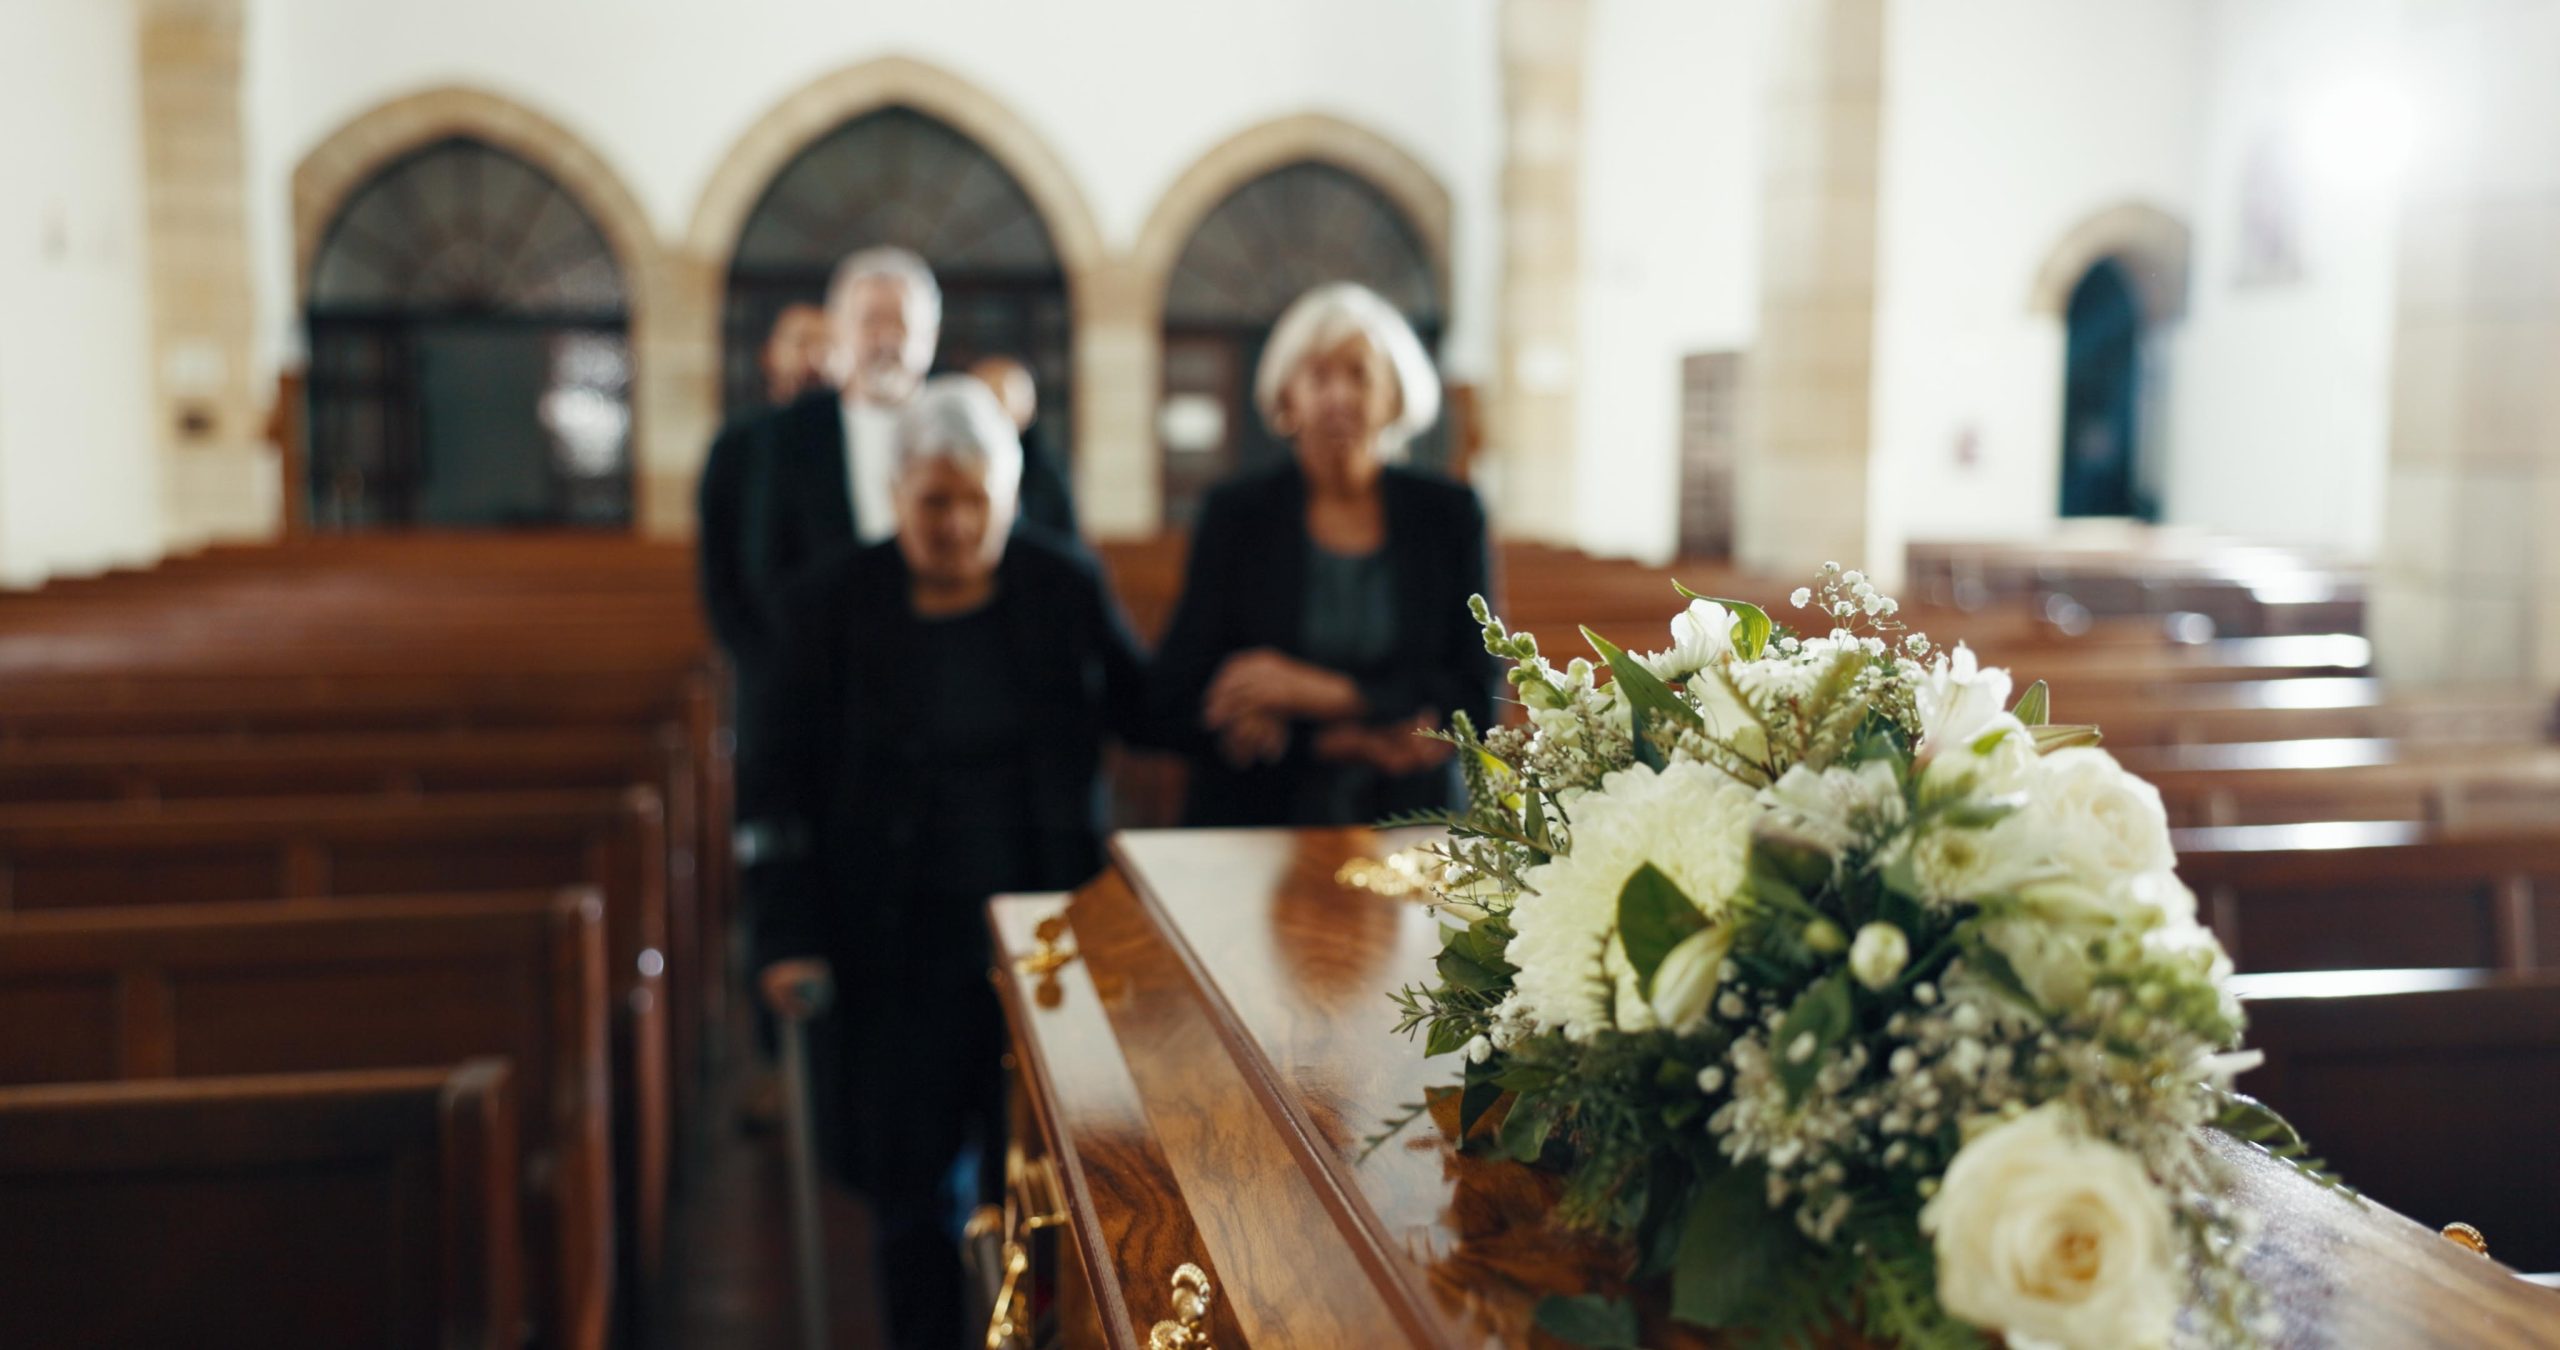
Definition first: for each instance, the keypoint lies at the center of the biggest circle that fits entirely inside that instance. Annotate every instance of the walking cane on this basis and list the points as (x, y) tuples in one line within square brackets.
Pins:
[(808, 1241)]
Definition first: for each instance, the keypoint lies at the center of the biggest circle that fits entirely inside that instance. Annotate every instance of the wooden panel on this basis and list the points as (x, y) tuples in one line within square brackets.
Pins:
[(2349, 895), (78, 1014), (1300, 968), (328, 1210), (337, 985), (1127, 1212), (2435, 1091)]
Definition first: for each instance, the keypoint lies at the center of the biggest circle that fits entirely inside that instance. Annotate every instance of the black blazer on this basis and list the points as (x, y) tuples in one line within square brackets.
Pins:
[(1048, 499), (1246, 587), (843, 743)]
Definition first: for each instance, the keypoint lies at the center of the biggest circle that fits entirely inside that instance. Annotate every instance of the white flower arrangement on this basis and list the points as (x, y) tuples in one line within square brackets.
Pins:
[(1847, 988)]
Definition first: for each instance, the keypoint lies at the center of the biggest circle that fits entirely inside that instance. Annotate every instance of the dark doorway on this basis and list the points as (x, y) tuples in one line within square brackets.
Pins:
[(470, 358), (2102, 399)]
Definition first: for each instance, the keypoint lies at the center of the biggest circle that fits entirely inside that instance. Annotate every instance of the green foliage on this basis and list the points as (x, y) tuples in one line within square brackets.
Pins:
[(1591, 1321), (2245, 1117), (1656, 707), (1654, 914), (2034, 707), (1735, 1253), (1821, 1012)]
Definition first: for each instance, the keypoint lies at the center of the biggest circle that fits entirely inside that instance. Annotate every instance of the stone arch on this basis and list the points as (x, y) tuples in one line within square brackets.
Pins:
[(1121, 480), (334, 170), (700, 266), (1404, 180), (352, 155), (2151, 245), (830, 101)]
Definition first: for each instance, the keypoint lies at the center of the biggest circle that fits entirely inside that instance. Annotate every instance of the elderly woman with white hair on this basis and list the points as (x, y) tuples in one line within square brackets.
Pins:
[(1323, 620), (947, 697)]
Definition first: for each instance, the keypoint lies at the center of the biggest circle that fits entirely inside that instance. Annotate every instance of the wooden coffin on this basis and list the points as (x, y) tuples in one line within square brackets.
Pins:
[(1203, 1047)]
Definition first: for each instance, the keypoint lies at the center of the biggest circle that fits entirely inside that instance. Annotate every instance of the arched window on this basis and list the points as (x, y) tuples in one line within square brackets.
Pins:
[(897, 176), (470, 357), (1269, 242), (2102, 398)]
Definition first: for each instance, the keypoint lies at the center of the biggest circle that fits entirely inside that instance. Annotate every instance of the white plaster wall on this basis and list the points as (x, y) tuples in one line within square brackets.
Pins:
[(2006, 123), (79, 475), (2282, 394), (1670, 242), (1128, 93)]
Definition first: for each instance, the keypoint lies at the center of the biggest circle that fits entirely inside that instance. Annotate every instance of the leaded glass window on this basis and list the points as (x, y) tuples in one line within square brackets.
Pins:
[(470, 356)]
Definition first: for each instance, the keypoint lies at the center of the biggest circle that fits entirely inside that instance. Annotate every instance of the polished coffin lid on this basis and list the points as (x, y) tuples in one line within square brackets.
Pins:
[(1208, 1067)]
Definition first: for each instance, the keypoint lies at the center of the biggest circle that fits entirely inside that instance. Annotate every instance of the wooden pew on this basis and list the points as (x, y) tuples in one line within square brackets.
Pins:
[(211, 852), (149, 772), (2469, 788), (2346, 895), (374, 1208), (2435, 1090), (227, 990)]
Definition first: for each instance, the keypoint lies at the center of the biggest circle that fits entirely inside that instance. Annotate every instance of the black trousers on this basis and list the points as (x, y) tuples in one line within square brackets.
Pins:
[(911, 1074)]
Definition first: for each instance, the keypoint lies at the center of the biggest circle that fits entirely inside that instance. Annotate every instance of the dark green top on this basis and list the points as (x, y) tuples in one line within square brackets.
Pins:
[(1350, 626)]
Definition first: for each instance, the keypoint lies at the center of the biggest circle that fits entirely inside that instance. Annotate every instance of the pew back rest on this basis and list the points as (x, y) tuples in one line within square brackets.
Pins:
[(2434, 1089), (309, 986), (374, 1207), (2349, 895)]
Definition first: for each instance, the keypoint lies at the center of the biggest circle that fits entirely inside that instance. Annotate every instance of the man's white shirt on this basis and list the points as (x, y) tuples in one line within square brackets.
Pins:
[(870, 468)]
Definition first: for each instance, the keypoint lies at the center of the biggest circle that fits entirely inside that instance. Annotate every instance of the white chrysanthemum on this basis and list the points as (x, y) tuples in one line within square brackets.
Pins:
[(1691, 821)]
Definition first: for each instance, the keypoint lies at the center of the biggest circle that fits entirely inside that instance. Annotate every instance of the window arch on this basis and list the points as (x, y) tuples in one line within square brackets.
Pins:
[(898, 176), (1267, 243), (470, 356)]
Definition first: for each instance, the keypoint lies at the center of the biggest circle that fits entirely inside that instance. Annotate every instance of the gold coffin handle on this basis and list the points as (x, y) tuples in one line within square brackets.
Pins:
[(2466, 1237), (1188, 1329)]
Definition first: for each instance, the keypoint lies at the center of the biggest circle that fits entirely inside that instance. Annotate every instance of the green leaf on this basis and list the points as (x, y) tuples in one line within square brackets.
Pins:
[(1591, 1321), (1463, 973), (1751, 626), (1821, 1011), (1983, 812), (1659, 1227), (2052, 738), (1447, 1038), (1533, 824), (1731, 1247), (1478, 1098), (1525, 1130), (1654, 914), (1989, 962), (1649, 700), (2035, 707)]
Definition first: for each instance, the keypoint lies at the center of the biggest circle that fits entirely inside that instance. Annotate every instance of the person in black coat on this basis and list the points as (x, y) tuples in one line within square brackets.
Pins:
[(945, 698), (1324, 620), (1048, 496)]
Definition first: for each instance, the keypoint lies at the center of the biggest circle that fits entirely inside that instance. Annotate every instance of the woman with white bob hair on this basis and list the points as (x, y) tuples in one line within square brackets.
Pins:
[(948, 693), (1323, 620)]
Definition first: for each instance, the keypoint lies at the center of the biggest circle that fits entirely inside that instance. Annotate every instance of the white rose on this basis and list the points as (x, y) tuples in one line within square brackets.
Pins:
[(1879, 954), (1686, 980), (2044, 1233), (2104, 825), (1960, 702), (1701, 635)]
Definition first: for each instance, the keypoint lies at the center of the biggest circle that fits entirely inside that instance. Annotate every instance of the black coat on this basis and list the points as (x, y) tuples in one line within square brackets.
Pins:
[(1048, 499), (843, 741), (775, 507), (1246, 587)]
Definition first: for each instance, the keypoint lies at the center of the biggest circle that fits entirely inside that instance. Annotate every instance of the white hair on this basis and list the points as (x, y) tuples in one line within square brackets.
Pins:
[(1331, 314), (913, 275), (956, 418)]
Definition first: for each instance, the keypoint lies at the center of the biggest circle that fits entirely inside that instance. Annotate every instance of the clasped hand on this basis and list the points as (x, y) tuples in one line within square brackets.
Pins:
[(1257, 694)]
